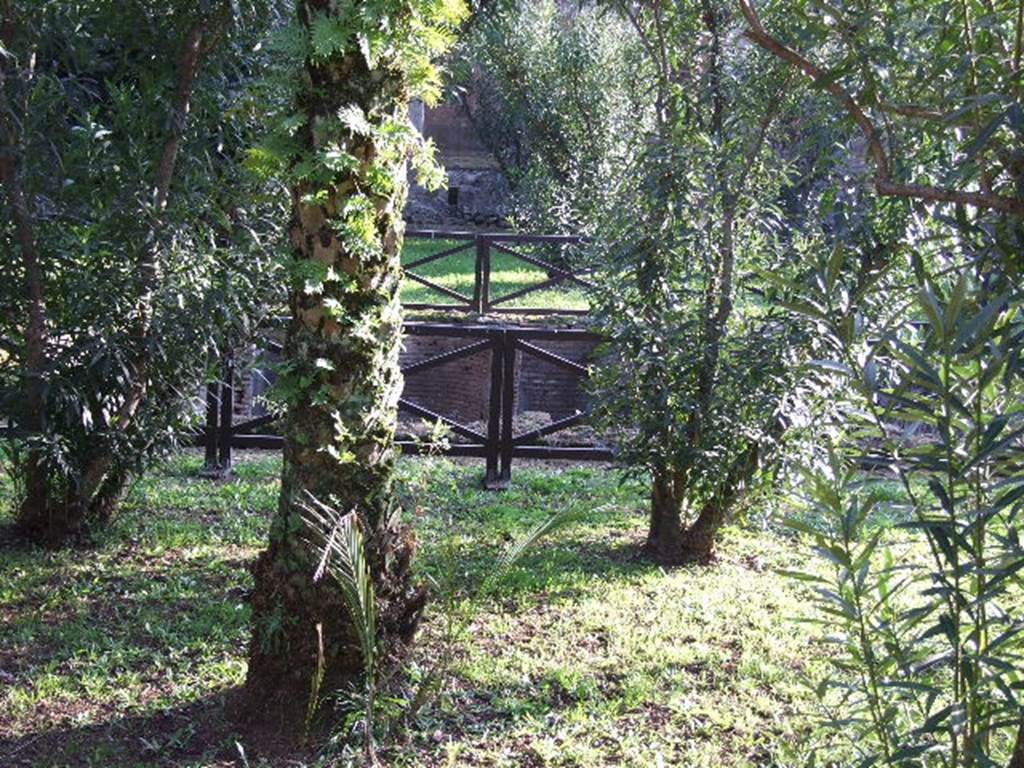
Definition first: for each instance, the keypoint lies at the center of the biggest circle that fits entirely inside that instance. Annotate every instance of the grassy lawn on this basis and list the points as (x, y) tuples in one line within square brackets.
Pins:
[(508, 274), (129, 653)]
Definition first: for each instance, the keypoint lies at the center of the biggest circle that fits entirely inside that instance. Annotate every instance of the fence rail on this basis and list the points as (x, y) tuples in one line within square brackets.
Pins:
[(484, 300), (498, 444)]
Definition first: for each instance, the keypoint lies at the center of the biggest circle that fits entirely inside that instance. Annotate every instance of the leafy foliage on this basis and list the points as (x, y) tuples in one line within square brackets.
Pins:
[(922, 338), (700, 359), (155, 251), (929, 674), (934, 88), (560, 94)]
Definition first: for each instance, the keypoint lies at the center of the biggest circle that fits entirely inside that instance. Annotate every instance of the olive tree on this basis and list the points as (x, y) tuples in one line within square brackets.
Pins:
[(923, 340), (560, 93), (700, 359)]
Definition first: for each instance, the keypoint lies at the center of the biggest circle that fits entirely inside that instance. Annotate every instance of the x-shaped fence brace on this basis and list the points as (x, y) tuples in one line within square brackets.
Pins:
[(498, 446), (482, 302)]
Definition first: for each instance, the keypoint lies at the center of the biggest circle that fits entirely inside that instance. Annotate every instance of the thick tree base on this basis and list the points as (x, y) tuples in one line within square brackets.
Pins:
[(282, 674), (671, 543), (679, 552), (304, 642), (54, 519)]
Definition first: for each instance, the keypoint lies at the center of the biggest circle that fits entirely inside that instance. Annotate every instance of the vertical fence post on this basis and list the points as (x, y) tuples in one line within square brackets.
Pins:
[(227, 410), (478, 276), (210, 465), (492, 479), (483, 250), (508, 404)]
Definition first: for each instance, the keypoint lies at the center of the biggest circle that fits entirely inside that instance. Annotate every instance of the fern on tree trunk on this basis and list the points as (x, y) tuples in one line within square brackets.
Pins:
[(342, 381)]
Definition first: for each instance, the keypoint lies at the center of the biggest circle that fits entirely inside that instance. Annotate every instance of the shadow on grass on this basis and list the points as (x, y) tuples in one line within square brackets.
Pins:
[(206, 731), (91, 634), (119, 599)]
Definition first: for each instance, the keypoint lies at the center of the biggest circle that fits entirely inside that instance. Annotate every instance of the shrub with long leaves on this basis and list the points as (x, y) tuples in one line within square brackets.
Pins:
[(930, 669), (344, 560), (135, 250)]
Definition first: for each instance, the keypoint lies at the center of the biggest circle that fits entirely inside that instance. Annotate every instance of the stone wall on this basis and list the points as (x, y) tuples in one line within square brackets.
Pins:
[(477, 191), (474, 197)]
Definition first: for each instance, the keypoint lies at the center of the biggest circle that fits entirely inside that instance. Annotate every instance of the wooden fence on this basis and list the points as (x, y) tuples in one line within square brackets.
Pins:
[(497, 442), (484, 300)]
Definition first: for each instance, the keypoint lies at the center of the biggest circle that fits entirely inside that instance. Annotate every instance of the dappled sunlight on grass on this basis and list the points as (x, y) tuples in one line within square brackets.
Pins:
[(152, 615), (592, 656), (584, 655), (693, 651)]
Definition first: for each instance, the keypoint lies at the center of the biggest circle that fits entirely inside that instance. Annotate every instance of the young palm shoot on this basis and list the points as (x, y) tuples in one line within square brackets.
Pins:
[(343, 558)]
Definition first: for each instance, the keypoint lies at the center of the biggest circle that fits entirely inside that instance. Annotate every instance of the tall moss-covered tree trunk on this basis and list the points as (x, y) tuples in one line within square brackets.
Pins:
[(343, 380)]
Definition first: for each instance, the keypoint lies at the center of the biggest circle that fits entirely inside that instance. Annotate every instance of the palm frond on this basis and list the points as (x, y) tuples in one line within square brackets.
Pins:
[(343, 557), (515, 552)]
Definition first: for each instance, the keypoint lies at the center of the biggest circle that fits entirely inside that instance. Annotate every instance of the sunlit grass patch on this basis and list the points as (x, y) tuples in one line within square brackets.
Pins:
[(591, 656), (585, 655)]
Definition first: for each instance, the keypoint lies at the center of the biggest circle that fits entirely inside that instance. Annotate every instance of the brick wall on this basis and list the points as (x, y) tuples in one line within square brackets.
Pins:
[(545, 387), (460, 389)]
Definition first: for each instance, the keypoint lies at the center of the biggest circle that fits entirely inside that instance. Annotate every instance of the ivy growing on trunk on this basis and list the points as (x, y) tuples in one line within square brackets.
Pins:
[(343, 147)]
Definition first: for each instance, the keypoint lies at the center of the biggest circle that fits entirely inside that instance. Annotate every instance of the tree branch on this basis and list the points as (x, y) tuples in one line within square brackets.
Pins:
[(876, 148), (662, 81), (148, 265), (188, 65), (11, 179), (1018, 43), (912, 110), (754, 151), (33, 417)]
